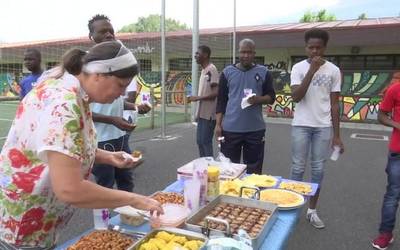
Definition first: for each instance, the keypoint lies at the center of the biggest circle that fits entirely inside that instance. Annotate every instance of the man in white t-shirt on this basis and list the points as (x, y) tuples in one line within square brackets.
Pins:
[(315, 85)]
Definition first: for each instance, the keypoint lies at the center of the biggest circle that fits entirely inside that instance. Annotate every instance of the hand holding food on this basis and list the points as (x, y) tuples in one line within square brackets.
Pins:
[(148, 204)]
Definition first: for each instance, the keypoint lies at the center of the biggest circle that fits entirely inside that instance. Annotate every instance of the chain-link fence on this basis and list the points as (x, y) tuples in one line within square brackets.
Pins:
[(278, 46), (147, 49)]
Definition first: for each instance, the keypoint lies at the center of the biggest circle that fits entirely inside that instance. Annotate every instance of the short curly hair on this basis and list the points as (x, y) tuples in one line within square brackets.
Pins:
[(95, 18), (317, 33)]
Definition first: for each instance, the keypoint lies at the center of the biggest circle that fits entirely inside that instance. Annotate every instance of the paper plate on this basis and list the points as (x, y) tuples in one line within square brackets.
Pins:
[(284, 199)]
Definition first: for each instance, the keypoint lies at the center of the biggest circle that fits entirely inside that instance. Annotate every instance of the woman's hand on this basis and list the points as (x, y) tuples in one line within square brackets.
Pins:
[(148, 204)]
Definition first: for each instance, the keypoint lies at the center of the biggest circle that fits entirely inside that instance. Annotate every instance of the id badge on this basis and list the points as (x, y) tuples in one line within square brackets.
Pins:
[(247, 92)]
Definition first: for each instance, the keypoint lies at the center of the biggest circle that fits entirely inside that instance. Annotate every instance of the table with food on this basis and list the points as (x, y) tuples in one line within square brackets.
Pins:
[(211, 204)]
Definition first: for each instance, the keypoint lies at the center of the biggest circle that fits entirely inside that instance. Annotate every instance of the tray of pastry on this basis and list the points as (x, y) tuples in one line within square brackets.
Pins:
[(171, 238), (225, 215)]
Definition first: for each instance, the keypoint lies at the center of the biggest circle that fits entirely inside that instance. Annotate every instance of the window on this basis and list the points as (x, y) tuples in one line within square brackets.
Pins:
[(296, 59), (333, 59), (379, 62), (352, 62), (145, 65), (397, 62), (221, 62), (180, 64)]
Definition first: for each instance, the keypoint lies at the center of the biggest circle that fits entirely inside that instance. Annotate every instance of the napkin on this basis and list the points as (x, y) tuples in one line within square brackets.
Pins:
[(245, 103)]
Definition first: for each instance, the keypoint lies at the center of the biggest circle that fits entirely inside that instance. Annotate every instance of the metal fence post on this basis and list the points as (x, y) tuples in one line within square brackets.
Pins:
[(153, 105), (185, 103)]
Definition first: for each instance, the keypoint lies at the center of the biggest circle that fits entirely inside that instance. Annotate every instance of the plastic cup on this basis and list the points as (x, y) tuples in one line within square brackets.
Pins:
[(101, 218), (191, 193), (200, 173), (335, 153)]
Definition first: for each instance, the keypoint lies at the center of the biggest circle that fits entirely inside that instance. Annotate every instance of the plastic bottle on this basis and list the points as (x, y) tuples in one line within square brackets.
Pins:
[(200, 175), (212, 183)]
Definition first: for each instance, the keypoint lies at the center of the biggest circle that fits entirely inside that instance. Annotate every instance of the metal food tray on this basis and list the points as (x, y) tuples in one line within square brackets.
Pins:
[(135, 238), (176, 231), (191, 222)]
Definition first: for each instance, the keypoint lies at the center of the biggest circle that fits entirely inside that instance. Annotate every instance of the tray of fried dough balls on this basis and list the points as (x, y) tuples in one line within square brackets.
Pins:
[(226, 215), (102, 240)]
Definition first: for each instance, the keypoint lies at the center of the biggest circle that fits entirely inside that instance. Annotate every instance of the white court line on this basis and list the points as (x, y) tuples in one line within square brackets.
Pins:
[(139, 118), (8, 104), (143, 117), (3, 138), (371, 137)]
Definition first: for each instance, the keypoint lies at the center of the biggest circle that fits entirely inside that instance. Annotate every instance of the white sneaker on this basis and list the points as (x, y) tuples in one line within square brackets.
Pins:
[(315, 220)]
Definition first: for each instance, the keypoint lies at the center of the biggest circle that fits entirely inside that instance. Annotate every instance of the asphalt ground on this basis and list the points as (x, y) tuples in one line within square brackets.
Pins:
[(351, 195)]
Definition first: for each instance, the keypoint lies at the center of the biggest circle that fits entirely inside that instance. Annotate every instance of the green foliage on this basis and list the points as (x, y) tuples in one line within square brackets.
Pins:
[(320, 16), (362, 16), (152, 23)]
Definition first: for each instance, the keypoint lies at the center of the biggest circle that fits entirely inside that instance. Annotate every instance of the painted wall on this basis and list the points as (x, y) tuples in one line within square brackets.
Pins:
[(361, 94), (8, 86)]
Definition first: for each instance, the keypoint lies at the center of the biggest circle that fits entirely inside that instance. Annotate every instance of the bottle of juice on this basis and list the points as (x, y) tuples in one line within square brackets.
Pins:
[(213, 182)]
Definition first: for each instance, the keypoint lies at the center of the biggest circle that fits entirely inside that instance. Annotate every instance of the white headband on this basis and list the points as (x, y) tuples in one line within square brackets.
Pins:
[(110, 65)]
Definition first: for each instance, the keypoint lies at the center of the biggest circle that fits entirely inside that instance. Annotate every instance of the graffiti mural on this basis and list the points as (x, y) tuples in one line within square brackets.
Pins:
[(282, 107), (176, 81), (359, 108), (361, 94), (8, 86)]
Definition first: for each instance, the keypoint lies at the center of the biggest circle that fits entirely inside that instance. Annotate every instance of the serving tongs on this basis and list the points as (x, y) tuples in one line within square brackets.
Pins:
[(131, 233), (256, 194)]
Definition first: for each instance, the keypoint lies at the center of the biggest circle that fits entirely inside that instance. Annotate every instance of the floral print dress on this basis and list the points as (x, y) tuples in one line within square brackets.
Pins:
[(54, 116)]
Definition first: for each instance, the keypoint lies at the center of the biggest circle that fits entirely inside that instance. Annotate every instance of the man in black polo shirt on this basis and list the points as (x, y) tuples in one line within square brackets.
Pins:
[(244, 127)]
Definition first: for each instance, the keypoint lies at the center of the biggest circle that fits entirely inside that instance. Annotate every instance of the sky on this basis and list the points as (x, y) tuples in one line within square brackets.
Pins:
[(29, 20)]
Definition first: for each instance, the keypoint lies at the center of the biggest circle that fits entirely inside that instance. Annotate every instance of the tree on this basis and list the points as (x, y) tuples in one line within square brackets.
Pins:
[(320, 16), (152, 23), (362, 16)]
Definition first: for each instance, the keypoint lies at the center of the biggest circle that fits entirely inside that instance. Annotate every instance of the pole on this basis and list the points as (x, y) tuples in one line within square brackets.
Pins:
[(153, 104), (163, 95), (195, 45), (234, 34)]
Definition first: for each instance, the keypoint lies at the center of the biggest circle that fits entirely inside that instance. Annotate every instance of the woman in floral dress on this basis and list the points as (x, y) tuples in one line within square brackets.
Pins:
[(51, 147)]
